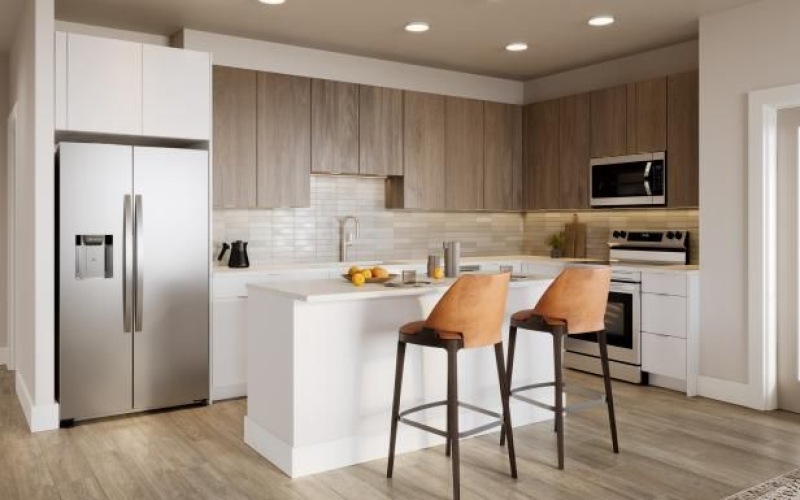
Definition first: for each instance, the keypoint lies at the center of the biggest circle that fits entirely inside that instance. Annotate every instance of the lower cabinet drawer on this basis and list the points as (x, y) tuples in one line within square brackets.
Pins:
[(664, 355)]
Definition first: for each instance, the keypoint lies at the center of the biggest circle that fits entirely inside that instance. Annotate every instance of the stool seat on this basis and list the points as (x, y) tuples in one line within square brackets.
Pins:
[(529, 319), (417, 327)]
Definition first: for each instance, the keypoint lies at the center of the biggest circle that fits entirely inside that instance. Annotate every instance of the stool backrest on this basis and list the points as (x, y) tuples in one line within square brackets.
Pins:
[(473, 307), (578, 296)]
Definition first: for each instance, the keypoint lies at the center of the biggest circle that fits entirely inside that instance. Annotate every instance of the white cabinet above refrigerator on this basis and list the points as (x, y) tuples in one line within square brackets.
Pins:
[(115, 87)]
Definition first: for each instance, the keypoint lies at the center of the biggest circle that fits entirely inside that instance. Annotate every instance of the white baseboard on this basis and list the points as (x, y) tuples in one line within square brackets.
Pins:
[(737, 393), (41, 417), (229, 392), (3, 355), (299, 461)]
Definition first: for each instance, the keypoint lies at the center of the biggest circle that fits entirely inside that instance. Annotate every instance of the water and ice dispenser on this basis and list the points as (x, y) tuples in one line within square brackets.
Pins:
[(94, 256)]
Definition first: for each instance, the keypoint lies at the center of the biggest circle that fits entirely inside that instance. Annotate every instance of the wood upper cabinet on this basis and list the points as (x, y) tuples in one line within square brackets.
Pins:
[(502, 153), (422, 184), (463, 154), (609, 122), (380, 131), (334, 127), (647, 116), (234, 137), (682, 140), (284, 141), (574, 151), (542, 145)]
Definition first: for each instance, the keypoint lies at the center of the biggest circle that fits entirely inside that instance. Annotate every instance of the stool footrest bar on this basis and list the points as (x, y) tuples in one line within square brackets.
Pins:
[(567, 409)]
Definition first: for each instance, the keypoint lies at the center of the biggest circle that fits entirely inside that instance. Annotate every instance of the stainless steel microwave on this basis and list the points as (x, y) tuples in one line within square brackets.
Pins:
[(635, 180)]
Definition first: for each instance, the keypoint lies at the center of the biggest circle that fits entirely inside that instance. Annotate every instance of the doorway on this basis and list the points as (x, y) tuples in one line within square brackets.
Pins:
[(788, 259)]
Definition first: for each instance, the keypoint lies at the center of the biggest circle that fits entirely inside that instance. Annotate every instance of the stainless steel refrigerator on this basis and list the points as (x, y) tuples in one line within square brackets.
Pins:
[(133, 278)]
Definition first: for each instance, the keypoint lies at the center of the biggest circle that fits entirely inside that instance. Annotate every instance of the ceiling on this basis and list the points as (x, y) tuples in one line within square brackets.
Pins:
[(466, 35), (9, 18)]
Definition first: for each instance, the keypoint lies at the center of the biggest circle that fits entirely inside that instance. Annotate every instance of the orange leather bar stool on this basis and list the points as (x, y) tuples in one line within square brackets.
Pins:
[(469, 315), (575, 303)]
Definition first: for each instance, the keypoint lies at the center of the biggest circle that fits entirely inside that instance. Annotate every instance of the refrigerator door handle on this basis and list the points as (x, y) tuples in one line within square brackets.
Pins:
[(127, 265), (139, 237)]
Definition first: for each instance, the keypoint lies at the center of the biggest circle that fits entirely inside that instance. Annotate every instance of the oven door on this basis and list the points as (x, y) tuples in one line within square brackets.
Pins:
[(623, 327), (631, 180)]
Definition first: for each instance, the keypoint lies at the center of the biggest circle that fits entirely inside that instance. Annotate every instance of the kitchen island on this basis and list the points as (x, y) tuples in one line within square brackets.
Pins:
[(320, 370)]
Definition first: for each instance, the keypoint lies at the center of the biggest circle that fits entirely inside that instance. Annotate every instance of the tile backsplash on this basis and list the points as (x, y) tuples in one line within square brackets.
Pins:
[(303, 235)]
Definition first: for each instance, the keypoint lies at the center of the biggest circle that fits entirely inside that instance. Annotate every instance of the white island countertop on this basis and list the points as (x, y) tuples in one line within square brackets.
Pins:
[(331, 290)]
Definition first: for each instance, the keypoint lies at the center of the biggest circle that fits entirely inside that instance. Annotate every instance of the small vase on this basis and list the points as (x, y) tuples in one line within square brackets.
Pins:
[(555, 253)]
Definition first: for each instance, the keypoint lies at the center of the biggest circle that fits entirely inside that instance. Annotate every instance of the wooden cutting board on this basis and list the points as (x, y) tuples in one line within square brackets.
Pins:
[(575, 239)]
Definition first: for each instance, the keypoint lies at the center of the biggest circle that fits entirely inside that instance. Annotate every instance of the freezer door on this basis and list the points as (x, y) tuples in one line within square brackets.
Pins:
[(95, 371), (172, 277)]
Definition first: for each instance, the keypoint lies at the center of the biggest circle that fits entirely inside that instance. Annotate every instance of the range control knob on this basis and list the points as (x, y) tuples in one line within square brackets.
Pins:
[(623, 234), (678, 235), (615, 234), (670, 235)]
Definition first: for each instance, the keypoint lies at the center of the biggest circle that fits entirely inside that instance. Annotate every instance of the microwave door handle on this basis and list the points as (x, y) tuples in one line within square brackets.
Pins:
[(647, 178)]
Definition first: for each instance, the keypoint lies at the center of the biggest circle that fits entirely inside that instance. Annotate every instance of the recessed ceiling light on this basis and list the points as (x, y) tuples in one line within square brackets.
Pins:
[(272, 2), (603, 20), (517, 47), (418, 27)]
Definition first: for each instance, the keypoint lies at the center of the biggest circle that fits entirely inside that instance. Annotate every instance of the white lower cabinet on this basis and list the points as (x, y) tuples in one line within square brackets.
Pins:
[(229, 347), (664, 355), (550, 270), (664, 314)]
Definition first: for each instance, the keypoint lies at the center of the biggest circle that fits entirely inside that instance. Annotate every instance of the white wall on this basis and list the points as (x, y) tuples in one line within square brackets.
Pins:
[(32, 89), (289, 59), (673, 59), (748, 48), (4, 110)]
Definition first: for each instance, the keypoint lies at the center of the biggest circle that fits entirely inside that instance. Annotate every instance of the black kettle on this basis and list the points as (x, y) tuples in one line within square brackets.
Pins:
[(238, 256)]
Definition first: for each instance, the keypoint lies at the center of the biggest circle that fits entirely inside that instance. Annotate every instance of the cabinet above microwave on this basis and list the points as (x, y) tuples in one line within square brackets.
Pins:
[(634, 180)]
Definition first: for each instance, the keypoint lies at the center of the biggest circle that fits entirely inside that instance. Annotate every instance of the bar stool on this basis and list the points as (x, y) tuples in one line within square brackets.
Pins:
[(469, 315), (575, 303)]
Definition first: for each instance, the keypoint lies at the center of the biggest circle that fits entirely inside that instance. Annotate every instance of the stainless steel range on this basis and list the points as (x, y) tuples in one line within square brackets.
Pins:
[(627, 249)]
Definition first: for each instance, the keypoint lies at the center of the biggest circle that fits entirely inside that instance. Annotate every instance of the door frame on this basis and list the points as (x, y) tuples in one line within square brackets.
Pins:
[(762, 381), (12, 176)]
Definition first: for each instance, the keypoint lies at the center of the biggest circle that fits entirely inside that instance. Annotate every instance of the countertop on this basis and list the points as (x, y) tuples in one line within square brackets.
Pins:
[(331, 290), (275, 268)]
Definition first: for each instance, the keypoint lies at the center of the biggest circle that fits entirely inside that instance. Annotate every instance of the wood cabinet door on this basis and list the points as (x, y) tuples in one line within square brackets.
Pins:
[(574, 151), (234, 158), (502, 153), (541, 177), (284, 141), (609, 118), (682, 140), (647, 123), (463, 154), (334, 127), (423, 144), (380, 131)]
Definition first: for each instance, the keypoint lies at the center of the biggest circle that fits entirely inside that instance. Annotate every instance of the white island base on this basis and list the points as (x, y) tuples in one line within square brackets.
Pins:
[(321, 363)]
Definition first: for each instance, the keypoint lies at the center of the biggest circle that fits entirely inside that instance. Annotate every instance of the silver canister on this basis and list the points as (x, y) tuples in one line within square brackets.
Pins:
[(434, 262), (452, 258)]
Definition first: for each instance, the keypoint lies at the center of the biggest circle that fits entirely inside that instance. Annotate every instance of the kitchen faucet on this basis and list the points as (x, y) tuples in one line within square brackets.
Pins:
[(346, 238)]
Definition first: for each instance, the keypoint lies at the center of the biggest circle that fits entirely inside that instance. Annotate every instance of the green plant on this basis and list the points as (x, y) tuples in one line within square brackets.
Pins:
[(556, 241)]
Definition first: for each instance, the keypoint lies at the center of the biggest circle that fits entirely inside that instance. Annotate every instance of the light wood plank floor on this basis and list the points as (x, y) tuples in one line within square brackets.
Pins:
[(671, 448)]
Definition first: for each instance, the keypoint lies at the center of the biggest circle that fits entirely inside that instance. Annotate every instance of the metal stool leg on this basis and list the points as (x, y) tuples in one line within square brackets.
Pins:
[(612, 421), (452, 416), (398, 384), (558, 337), (512, 347), (501, 376)]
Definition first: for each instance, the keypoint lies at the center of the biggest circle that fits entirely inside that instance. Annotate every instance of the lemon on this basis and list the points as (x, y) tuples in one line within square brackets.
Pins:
[(367, 273), (438, 273), (354, 270), (358, 279)]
